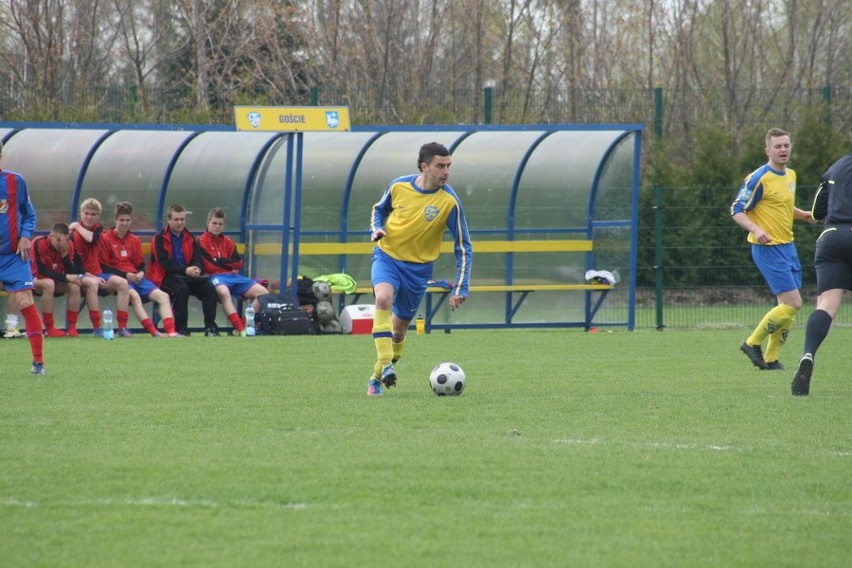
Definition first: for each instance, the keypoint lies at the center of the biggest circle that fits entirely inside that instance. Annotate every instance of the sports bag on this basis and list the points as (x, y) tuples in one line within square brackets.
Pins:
[(280, 314)]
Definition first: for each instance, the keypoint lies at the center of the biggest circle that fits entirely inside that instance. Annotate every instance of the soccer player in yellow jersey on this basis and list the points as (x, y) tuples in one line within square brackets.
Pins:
[(765, 207), (408, 225)]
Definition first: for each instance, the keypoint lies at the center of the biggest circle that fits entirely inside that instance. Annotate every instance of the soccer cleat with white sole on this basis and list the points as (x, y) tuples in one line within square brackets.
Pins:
[(388, 376), (801, 385)]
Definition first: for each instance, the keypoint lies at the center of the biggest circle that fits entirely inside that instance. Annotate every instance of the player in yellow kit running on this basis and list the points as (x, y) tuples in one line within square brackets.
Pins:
[(408, 225), (765, 207)]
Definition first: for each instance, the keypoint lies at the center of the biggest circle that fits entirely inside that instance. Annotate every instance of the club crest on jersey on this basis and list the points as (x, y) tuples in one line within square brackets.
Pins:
[(4, 206), (431, 212)]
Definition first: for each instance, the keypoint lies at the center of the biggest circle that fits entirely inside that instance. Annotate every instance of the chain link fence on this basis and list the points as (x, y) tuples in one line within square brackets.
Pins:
[(708, 278), (672, 113)]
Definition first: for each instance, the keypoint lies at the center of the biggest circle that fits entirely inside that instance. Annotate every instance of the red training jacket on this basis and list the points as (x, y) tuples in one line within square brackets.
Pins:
[(219, 254), (49, 263), (162, 262), (120, 255), (88, 251)]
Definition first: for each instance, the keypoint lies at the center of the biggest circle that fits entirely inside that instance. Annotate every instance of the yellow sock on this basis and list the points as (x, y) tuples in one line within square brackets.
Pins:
[(383, 338), (397, 350), (778, 338), (774, 320)]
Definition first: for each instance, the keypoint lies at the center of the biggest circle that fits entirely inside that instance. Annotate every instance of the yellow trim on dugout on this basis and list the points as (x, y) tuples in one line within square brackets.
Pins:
[(328, 249), (324, 249)]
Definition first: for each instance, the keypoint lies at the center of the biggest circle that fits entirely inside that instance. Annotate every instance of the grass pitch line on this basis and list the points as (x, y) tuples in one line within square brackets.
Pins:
[(159, 502), (12, 502), (654, 445)]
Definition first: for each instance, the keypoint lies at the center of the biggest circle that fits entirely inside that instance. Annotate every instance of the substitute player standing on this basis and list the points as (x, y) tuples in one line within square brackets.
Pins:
[(765, 207), (17, 223), (832, 260), (408, 225)]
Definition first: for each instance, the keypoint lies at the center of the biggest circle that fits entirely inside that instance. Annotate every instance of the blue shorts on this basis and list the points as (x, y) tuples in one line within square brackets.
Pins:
[(15, 274), (106, 276), (779, 265), (144, 288), (237, 284), (409, 280)]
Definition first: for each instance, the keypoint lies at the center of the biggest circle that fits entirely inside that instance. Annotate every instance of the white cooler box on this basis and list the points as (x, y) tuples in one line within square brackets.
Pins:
[(358, 318)]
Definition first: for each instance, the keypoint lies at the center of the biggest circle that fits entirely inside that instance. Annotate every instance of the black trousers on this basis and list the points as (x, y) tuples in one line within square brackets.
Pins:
[(180, 289)]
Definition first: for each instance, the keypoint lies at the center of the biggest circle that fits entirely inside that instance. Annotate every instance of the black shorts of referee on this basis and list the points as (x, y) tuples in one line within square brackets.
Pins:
[(833, 258)]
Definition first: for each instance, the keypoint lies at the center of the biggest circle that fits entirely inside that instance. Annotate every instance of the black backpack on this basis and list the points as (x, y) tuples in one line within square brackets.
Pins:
[(280, 314), (305, 289)]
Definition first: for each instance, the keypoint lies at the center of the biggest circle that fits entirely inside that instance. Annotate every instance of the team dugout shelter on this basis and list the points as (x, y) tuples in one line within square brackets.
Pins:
[(545, 204)]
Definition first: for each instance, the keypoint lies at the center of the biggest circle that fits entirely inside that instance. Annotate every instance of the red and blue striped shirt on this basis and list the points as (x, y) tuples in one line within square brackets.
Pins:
[(17, 214)]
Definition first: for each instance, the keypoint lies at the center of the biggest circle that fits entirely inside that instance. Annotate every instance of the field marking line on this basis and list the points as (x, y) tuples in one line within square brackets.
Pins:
[(654, 445), (156, 502)]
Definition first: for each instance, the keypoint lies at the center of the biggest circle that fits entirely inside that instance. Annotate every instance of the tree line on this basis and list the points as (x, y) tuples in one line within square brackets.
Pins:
[(707, 77)]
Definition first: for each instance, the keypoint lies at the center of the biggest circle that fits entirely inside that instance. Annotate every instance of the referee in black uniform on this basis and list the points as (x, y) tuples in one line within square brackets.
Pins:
[(832, 260)]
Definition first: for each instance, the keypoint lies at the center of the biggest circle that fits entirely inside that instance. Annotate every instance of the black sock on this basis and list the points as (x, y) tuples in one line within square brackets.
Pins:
[(819, 322)]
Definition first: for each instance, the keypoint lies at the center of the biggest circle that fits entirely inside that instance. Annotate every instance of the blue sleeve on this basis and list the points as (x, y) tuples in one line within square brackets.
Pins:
[(749, 194), (380, 211), (457, 224), (26, 211)]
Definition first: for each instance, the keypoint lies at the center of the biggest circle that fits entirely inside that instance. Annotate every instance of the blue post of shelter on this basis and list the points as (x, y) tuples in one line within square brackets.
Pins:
[(287, 213), (297, 223), (294, 121)]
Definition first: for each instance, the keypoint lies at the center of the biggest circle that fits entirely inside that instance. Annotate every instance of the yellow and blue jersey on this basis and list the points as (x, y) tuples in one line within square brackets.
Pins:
[(414, 221), (768, 198)]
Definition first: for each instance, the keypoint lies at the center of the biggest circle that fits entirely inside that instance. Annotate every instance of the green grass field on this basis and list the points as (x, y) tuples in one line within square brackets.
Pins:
[(566, 449)]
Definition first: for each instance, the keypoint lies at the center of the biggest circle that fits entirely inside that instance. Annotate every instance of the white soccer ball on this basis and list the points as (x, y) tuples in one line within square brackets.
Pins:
[(447, 379), (321, 290)]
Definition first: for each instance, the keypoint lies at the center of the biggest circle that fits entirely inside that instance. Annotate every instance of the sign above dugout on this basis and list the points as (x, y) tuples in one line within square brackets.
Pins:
[(292, 119)]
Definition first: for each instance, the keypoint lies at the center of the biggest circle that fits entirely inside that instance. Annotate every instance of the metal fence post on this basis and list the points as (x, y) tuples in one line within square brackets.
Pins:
[(658, 111), (658, 252), (487, 104)]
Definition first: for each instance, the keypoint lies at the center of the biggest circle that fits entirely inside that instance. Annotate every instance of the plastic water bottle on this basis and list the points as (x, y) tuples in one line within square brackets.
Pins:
[(107, 322), (250, 331), (420, 325)]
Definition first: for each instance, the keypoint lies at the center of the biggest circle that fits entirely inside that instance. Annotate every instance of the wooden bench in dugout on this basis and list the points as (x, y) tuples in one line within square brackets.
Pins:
[(517, 293)]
